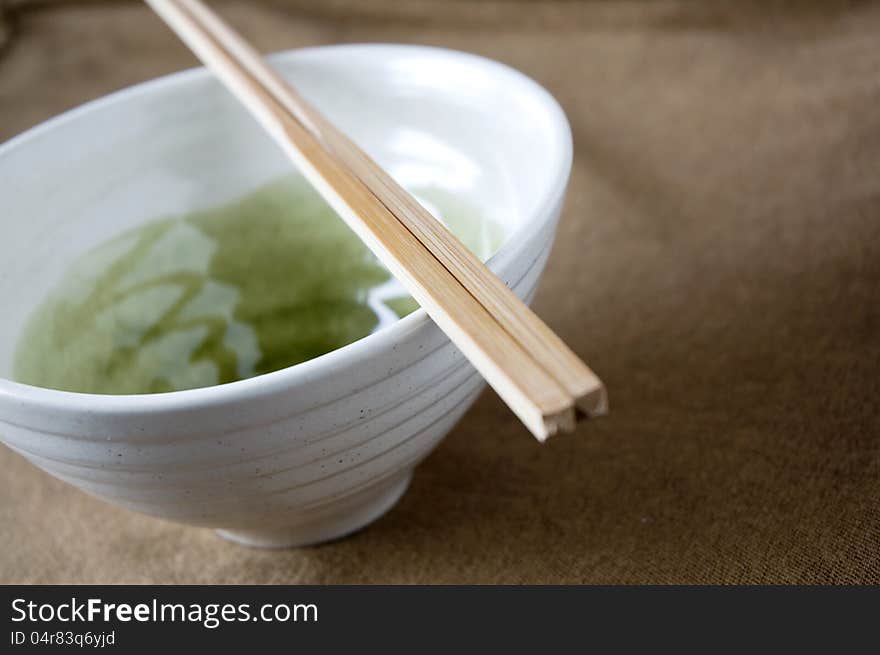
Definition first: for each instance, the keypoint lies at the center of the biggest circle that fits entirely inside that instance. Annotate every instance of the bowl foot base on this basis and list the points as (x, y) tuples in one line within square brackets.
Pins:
[(358, 512)]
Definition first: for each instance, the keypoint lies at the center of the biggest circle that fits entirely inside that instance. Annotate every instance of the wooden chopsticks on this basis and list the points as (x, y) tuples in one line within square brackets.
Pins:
[(545, 384)]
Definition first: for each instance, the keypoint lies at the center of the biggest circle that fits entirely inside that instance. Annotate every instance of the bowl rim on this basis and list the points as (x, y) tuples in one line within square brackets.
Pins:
[(26, 395)]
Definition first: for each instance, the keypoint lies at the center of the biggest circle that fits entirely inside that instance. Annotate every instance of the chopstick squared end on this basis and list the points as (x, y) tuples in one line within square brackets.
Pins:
[(559, 423), (593, 403)]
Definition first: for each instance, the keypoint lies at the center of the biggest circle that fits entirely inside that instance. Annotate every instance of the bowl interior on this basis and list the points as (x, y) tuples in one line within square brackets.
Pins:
[(458, 123)]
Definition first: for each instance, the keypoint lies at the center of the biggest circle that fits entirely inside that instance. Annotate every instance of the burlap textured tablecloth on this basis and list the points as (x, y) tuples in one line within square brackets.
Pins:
[(718, 264)]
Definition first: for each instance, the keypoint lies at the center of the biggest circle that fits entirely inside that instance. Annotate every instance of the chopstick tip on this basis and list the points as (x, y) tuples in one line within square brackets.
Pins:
[(594, 403)]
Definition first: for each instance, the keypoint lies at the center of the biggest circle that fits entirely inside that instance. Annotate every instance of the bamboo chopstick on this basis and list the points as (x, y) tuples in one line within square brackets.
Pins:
[(532, 370), (513, 315)]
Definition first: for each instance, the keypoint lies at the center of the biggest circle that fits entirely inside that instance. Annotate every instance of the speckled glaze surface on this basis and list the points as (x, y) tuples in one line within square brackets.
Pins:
[(318, 450)]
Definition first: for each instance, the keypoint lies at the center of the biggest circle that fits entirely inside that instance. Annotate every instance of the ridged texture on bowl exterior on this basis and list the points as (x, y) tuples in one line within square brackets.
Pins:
[(393, 411)]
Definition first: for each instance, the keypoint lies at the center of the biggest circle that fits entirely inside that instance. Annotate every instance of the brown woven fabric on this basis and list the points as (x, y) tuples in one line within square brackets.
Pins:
[(718, 264)]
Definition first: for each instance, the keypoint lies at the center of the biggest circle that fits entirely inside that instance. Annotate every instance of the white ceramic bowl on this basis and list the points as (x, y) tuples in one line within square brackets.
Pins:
[(311, 452)]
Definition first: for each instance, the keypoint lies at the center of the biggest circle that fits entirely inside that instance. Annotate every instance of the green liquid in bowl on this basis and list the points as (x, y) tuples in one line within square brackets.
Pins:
[(263, 283)]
